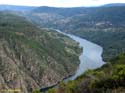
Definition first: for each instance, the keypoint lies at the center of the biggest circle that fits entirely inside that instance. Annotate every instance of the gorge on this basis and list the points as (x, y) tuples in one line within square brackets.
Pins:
[(90, 58), (87, 52)]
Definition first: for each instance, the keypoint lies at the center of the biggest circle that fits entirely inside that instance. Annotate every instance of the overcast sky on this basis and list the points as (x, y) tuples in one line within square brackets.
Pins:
[(60, 3)]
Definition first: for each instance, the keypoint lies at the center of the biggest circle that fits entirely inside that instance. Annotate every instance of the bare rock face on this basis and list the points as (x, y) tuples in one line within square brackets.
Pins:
[(32, 58), (11, 76)]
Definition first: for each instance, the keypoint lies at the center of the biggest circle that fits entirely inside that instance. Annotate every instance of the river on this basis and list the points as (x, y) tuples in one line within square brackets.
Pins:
[(90, 58)]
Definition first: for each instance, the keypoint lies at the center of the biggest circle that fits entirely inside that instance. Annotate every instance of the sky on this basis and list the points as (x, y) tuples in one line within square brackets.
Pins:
[(60, 3)]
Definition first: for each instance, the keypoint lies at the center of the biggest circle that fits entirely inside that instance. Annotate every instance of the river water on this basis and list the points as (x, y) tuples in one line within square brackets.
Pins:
[(91, 57)]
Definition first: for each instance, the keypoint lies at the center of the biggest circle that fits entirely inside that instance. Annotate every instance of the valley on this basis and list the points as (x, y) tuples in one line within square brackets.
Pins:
[(101, 25), (88, 48)]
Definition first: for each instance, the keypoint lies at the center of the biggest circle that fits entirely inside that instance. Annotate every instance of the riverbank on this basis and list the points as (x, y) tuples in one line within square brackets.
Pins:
[(90, 58)]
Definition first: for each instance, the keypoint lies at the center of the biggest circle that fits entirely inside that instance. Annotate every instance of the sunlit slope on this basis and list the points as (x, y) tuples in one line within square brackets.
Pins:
[(30, 57)]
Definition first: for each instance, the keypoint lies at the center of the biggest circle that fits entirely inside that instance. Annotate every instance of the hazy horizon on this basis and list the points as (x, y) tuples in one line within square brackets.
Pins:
[(60, 3)]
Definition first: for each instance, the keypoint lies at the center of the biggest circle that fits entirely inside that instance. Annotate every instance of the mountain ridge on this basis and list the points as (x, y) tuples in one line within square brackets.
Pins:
[(17, 8)]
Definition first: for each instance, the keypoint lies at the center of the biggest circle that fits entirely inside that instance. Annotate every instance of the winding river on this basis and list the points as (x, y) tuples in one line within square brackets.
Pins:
[(90, 58)]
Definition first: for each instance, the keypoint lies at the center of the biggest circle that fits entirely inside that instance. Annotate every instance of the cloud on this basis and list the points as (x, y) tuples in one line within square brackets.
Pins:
[(60, 3)]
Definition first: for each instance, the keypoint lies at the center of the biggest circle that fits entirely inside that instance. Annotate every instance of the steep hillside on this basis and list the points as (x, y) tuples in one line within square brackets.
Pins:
[(109, 78), (30, 57), (102, 25)]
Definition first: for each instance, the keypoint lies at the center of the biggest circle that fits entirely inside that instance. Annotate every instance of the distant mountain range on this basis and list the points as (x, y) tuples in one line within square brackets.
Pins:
[(45, 8), (16, 8), (114, 4)]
